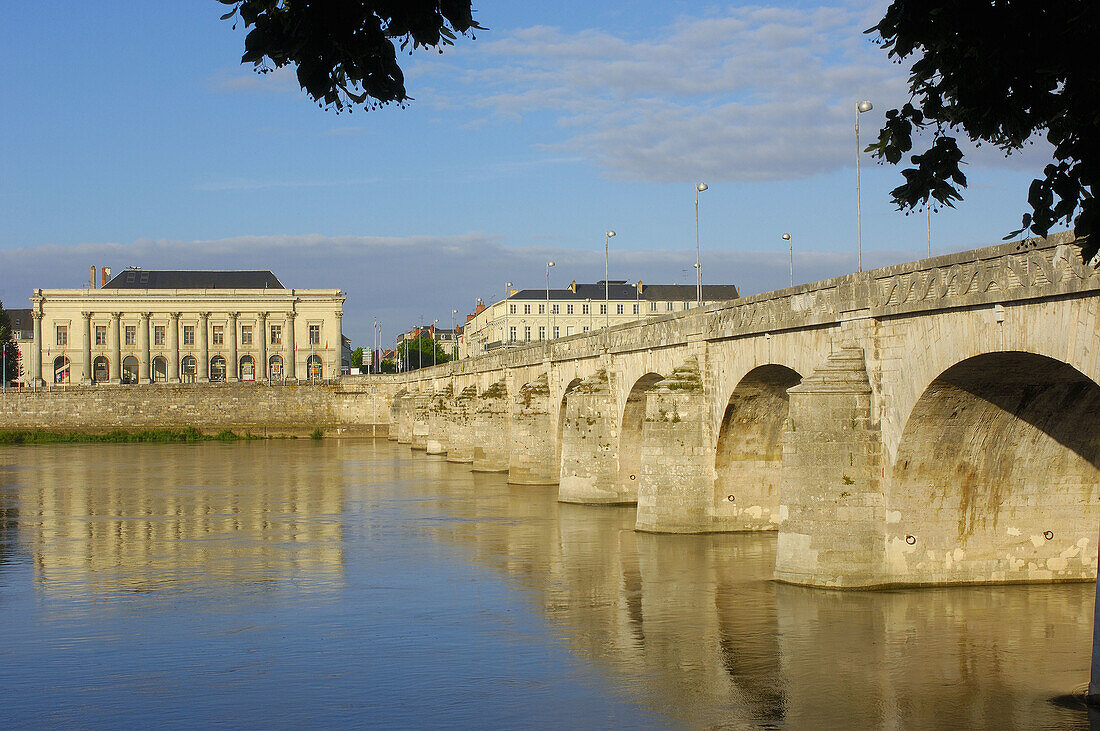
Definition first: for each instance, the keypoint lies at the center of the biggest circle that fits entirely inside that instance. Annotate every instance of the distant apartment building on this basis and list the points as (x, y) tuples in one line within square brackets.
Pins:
[(23, 334), (531, 315), (154, 326)]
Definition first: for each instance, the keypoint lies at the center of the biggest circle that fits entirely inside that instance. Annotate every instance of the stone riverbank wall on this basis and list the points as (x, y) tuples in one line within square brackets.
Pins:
[(349, 406)]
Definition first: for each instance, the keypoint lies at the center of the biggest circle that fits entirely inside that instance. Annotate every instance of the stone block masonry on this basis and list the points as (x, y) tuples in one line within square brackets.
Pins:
[(254, 407)]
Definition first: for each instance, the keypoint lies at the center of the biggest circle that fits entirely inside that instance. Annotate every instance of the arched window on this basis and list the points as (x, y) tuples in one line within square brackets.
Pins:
[(160, 369), (129, 369), (248, 368), (189, 368), (217, 368), (275, 367), (313, 368), (60, 369), (100, 369)]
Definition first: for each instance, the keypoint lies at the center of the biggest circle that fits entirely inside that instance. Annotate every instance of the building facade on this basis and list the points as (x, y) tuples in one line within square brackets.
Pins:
[(151, 326), (530, 315)]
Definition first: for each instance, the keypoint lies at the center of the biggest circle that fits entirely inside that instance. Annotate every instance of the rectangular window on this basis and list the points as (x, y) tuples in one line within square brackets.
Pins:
[(603, 309), (100, 334), (652, 306), (584, 329), (668, 306), (527, 309), (618, 309), (554, 309), (635, 308), (188, 334), (130, 332), (276, 334), (512, 333), (512, 307), (584, 309), (527, 333), (62, 334), (568, 330), (246, 335), (569, 309), (686, 306), (557, 331), (314, 334), (158, 334), (542, 309), (217, 337), (542, 332)]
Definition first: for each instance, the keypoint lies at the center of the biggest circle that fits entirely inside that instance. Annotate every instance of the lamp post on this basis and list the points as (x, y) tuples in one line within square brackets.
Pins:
[(698, 269), (606, 299), (928, 215), (435, 324), (588, 306), (454, 336), (787, 238), (861, 107), (507, 307), (548, 265)]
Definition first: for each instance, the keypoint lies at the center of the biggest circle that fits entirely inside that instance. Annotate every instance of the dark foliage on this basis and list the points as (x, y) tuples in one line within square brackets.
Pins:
[(10, 353), (1000, 72), (345, 51)]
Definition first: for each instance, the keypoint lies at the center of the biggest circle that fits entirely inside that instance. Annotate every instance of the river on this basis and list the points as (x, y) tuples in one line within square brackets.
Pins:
[(349, 582)]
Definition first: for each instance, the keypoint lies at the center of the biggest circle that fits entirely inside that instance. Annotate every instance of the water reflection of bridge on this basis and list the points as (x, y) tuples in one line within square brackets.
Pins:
[(694, 627), (103, 518)]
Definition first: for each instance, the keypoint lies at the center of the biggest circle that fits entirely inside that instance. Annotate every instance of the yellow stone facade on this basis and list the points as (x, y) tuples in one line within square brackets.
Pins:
[(84, 336)]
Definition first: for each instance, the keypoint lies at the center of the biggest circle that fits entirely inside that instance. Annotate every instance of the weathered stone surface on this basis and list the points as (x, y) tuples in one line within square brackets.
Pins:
[(460, 427), (420, 405), (532, 458), (589, 463), (492, 429)]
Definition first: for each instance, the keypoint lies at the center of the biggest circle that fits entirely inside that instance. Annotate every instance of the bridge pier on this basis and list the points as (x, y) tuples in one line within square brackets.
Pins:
[(677, 465), (395, 417), (832, 516), (492, 426), (405, 419), (533, 454), (589, 441), (460, 442), (439, 421), (421, 405)]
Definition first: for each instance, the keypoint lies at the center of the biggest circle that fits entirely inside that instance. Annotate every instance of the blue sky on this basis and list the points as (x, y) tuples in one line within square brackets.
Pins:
[(133, 136)]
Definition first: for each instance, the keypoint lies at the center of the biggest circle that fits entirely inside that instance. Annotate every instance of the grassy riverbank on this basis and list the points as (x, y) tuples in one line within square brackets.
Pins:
[(118, 436)]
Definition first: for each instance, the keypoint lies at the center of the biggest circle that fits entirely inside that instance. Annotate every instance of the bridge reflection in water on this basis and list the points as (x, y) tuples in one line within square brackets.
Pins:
[(694, 627)]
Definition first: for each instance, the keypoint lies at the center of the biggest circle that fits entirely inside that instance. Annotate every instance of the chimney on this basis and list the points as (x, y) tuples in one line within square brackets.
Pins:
[(93, 277), (573, 286), (106, 275)]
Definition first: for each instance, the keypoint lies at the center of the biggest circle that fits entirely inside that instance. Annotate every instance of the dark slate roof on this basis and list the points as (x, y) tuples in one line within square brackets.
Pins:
[(165, 279), (619, 291), (21, 322)]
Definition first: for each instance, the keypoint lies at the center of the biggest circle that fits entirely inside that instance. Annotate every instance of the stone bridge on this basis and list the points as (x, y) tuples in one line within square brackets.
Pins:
[(935, 422)]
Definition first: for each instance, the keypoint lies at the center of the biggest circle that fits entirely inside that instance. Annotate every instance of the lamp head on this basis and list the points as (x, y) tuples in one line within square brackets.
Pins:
[(549, 263), (507, 284), (786, 237), (701, 187), (610, 234), (864, 106)]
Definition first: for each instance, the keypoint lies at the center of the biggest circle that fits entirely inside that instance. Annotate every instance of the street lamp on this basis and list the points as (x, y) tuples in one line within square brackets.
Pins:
[(454, 336), (787, 238), (698, 269), (606, 299), (548, 265), (588, 306), (435, 324), (861, 107), (507, 307)]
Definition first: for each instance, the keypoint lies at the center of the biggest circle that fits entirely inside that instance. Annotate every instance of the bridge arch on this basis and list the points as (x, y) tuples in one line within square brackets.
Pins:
[(569, 387), (630, 433), (748, 458), (997, 475)]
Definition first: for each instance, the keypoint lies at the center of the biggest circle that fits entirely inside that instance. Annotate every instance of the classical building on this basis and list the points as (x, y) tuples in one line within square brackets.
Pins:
[(534, 314), (147, 326)]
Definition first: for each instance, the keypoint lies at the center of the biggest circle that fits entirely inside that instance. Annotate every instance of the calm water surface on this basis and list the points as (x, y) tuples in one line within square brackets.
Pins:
[(350, 582)]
